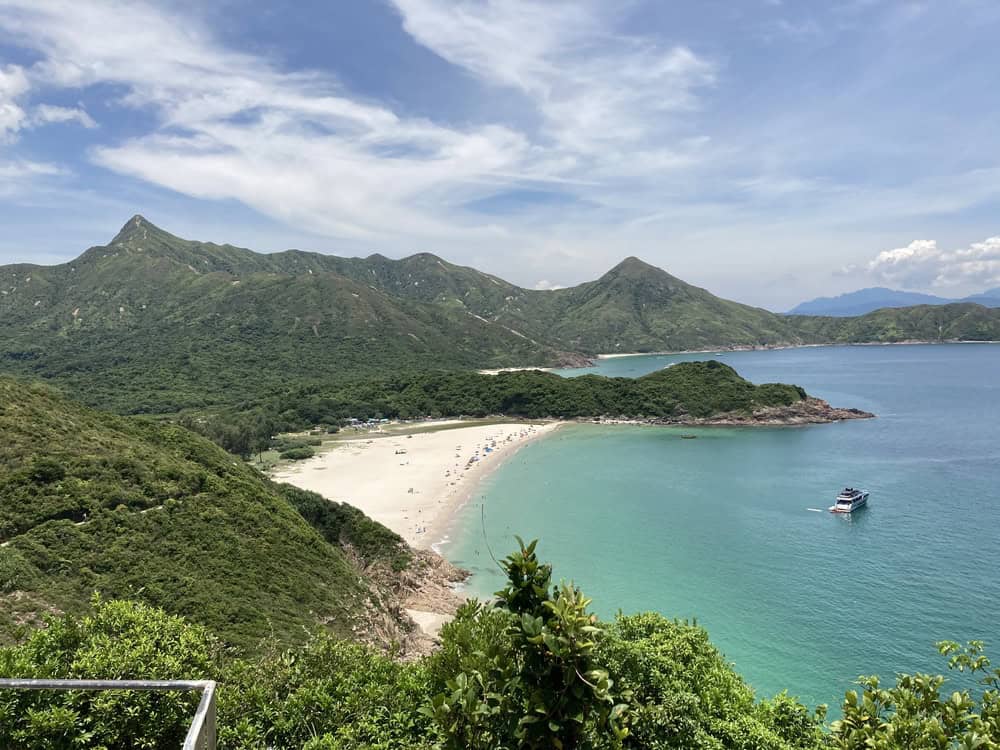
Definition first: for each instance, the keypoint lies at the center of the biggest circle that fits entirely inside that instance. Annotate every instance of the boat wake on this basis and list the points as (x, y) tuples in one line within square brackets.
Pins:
[(815, 510)]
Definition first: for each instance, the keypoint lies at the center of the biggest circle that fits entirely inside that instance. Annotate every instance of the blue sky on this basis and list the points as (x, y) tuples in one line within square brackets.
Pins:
[(769, 150)]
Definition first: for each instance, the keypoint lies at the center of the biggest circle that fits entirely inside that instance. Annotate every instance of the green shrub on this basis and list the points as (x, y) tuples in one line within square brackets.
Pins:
[(539, 686), (119, 640), (45, 470), (344, 525), (298, 454), (326, 694), (914, 713), (685, 695)]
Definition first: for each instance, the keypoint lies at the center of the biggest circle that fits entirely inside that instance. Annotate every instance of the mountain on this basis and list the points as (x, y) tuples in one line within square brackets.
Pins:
[(152, 323), (93, 501), (864, 301), (155, 323), (989, 298), (637, 307), (875, 298), (953, 322), (633, 307)]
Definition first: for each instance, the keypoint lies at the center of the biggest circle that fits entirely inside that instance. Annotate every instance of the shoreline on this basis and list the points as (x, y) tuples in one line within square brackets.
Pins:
[(443, 523), (779, 347), (808, 411), (414, 483)]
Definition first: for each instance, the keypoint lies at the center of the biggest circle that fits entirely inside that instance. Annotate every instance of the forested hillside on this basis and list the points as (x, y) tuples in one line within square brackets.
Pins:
[(97, 502), (695, 389), (955, 322), (152, 323)]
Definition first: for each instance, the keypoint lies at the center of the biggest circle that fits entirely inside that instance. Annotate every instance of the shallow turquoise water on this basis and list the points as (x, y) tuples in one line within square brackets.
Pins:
[(719, 528)]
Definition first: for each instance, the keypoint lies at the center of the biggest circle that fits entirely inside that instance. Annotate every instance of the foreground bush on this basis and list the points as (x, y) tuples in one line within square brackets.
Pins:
[(914, 715), (119, 641), (524, 674), (328, 695), (685, 695), (532, 670)]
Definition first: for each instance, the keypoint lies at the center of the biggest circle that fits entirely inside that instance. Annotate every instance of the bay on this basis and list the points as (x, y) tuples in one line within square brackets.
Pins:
[(731, 528)]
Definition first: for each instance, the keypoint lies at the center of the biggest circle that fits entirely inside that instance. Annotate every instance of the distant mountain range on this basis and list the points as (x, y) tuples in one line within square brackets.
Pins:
[(154, 323), (875, 298)]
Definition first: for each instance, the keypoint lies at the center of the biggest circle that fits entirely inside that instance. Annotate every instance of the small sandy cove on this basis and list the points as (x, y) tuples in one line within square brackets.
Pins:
[(411, 483)]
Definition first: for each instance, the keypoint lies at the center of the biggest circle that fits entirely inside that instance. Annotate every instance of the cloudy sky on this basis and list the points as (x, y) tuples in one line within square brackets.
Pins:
[(770, 150)]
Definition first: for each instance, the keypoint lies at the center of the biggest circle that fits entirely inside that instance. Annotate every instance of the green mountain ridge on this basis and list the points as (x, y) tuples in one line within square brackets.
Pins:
[(155, 323)]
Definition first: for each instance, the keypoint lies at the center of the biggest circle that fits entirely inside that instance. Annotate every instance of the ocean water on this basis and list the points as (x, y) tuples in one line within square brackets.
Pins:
[(732, 528)]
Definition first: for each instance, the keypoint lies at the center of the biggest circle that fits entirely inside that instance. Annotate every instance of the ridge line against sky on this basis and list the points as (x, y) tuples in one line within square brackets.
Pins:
[(769, 151)]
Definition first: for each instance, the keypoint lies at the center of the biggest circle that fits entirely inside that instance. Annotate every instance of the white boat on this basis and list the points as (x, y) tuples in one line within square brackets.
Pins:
[(850, 500)]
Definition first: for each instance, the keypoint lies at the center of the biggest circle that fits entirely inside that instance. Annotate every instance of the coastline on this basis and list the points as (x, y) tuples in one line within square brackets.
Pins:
[(414, 483), (808, 411), (779, 347)]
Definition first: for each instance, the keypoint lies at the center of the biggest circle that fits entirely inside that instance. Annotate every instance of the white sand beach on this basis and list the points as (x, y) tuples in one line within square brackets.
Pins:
[(411, 483)]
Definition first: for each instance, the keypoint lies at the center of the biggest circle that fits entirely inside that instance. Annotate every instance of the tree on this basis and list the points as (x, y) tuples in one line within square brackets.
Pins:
[(539, 685), (914, 715)]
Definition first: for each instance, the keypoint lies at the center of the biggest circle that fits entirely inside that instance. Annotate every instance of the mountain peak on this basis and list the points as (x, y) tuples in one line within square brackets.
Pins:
[(631, 262), (136, 228), (634, 268)]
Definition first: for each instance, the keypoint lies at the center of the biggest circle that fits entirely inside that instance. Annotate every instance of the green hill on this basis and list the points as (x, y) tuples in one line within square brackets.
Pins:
[(152, 323), (637, 307), (689, 389), (956, 322), (97, 502)]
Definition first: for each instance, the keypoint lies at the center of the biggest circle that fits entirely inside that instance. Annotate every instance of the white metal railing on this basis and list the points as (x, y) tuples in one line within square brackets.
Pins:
[(200, 736)]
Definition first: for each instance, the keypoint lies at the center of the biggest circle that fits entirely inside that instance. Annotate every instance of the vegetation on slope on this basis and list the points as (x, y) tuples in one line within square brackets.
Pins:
[(686, 390), (152, 323), (636, 307), (956, 322), (699, 389), (534, 670), (93, 501)]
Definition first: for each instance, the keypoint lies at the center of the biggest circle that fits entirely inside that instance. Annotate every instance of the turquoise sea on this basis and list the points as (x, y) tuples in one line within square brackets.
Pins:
[(721, 528)]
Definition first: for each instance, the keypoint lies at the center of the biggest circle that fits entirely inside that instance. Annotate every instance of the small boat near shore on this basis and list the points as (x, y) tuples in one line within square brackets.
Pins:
[(850, 500)]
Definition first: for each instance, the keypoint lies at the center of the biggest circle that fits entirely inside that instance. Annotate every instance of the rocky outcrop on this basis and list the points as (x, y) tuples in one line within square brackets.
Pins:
[(807, 411), (409, 607)]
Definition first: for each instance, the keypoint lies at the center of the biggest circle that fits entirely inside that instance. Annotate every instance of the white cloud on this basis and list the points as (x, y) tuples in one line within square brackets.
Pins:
[(922, 264), (298, 147), (13, 83), (18, 176), (545, 285), (14, 88), (292, 145), (48, 113), (599, 94), (13, 170)]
